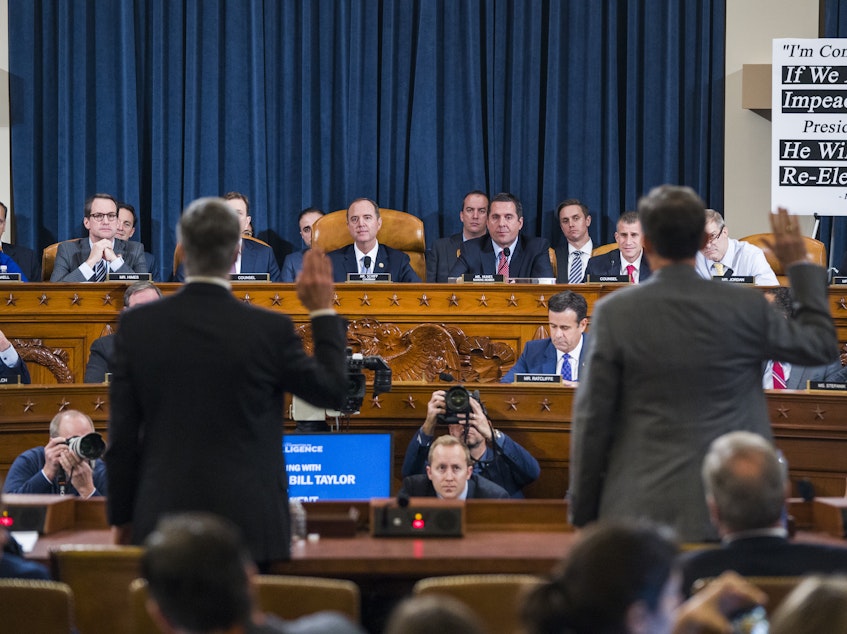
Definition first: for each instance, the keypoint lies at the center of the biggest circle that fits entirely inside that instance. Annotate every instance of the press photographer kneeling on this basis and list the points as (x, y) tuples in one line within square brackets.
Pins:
[(496, 456)]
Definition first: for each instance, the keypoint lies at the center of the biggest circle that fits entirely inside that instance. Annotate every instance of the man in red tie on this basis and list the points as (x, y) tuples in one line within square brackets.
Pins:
[(628, 259)]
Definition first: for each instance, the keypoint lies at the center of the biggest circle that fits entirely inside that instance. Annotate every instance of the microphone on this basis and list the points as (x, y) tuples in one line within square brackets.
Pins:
[(507, 252), (403, 499), (728, 272), (446, 377), (366, 261)]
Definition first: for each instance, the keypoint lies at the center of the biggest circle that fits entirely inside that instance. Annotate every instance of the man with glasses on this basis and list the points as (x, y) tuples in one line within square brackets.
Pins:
[(723, 257), (92, 259)]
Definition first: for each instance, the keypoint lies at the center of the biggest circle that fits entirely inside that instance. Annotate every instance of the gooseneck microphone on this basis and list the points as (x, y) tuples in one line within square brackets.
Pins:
[(366, 262), (728, 272), (507, 252), (446, 377)]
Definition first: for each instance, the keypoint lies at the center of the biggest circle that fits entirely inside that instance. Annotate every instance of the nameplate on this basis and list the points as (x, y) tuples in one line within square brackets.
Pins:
[(250, 277), (615, 279), (736, 279), (538, 378), (10, 277), (129, 277), (369, 277), (469, 277), (839, 280), (827, 386)]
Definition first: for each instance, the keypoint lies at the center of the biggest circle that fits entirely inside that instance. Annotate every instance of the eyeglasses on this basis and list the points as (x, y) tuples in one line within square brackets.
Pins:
[(99, 217), (714, 236)]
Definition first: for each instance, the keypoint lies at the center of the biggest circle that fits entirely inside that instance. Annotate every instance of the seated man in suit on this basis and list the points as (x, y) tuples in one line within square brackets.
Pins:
[(572, 257), (13, 562), (103, 348), (746, 485), (628, 259), (444, 252), (724, 257), (366, 254), (53, 467), (449, 475), (294, 261), (495, 456), (504, 251), (562, 352), (199, 577), (91, 259), (12, 367), (127, 220), (781, 375), (18, 259), (253, 257)]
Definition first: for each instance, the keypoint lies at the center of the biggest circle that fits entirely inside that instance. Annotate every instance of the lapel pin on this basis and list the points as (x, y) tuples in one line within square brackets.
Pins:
[(381, 265)]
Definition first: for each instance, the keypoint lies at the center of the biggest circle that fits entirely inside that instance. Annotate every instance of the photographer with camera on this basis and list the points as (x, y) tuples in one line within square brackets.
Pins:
[(66, 464), (495, 456)]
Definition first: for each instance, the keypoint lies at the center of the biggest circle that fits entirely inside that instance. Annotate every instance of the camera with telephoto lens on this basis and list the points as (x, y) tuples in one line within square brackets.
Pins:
[(356, 382), (457, 402), (88, 447)]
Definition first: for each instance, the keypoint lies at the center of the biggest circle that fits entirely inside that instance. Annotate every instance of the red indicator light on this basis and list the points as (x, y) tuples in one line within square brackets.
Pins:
[(418, 523), (5, 520)]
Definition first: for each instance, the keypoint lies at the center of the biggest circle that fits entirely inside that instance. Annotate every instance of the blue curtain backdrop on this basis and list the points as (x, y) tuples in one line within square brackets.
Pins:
[(315, 102)]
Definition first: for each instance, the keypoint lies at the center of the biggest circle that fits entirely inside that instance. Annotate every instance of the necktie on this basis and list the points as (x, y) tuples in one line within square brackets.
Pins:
[(503, 265), (630, 270), (575, 273), (719, 268), (778, 376), (566, 368), (99, 272)]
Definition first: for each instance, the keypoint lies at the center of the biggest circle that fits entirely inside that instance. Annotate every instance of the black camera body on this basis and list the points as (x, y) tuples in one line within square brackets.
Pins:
[(88, 447), (457, 402), (357, 383)]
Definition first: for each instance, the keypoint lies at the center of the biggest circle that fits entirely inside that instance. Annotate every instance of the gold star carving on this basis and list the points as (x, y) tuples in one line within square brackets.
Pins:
[(512, 301), (410, 402), (247, 299), (454, 301), (335, 300), (63, 405), (99, 403), (11, 300), (819, 412), (483, 300), (107, 299), (376, 403), (395, 301), (542, 301), (423, 300), (28, 406), (545, 405), (512, 403), (42, 301), (76, 300), (783, 411), (276, 300), (366, 301)]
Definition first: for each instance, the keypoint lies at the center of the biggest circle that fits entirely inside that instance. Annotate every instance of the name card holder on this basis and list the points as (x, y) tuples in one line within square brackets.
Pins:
[(482, 279), (369, 277), (538, 378), (250, 277), (129, 277), (839, 280), (735, 279), (613, 279), (10, 277), (826, 386)]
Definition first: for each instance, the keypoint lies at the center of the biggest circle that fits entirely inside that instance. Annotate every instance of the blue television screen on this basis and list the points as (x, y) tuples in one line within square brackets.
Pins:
[(337, 466)]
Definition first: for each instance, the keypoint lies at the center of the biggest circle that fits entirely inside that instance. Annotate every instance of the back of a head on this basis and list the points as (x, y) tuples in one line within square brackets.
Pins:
[(673, 219), (818, 604), (610, 568), (196, 570), (743, 475), (209, 232), (433, 614)]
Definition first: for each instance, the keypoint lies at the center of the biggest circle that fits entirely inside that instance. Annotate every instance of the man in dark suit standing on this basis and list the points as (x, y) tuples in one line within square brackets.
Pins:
[(199, 380), (746, 485), (445, 251), (366, 254), (25, 260), (563, 352), (676, 362), (628, 259), (91, 259), (504, 251), (572, 256)]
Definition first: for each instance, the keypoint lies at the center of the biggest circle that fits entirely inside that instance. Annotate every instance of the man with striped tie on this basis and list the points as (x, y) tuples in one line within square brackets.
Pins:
[(572, 257), (92, 258)]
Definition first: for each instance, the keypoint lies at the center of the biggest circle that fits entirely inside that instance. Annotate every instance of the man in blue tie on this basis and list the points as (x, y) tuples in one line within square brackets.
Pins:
[(562, 352)]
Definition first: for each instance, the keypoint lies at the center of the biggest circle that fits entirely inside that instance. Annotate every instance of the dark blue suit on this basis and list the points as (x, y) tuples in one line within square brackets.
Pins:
[(26, 259), (610, 264), (529, 259), (539, 357), (255, 258), (10, 375), (388, 260), (441, 258), (420, 486)]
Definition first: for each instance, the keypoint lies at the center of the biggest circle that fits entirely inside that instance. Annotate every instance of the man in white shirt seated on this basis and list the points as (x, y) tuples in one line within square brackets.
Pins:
[(725, 257), (628, 259)]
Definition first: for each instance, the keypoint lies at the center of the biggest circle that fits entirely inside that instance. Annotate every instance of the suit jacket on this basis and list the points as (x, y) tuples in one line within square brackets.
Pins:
[(530, 258), (100, 359), (610, 264), (255, 258), (442, 257), (672, 364), (563, 262), (539, 357), (72, 253), (197, 396), (762, 556), (419, 485), (9, 376), (28, 261), (801, 374), (388, 260)]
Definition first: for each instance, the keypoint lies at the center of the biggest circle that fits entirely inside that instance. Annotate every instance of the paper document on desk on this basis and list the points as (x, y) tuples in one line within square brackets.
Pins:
[(27, 539)]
